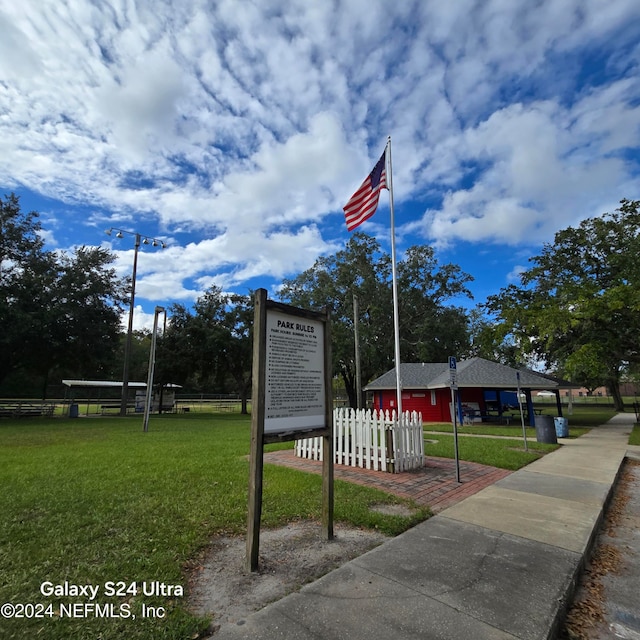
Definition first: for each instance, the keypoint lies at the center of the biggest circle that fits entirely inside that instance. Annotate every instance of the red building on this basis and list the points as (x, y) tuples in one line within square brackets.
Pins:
[(485, 390)]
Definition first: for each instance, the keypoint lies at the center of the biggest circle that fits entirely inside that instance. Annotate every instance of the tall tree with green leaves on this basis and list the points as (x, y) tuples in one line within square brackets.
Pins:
[(430, 330), (238, 320), (25, 279), (192, 350), (85, 310), (174, 362), (578, 308), (59, 311), (210, 349)]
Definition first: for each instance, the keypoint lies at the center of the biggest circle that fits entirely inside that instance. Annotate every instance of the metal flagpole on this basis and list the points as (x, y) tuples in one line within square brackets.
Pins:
[(524, 430), (396, 317), (356, 315)]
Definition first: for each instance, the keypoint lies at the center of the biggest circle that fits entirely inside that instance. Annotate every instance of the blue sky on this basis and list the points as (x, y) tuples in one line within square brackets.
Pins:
[(236, 131)]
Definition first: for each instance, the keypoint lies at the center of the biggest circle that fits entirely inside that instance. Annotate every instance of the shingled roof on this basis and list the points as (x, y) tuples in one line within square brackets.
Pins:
[(475, 372)]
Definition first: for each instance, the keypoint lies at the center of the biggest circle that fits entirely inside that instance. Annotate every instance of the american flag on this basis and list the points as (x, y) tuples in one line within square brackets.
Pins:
[(364, 201)]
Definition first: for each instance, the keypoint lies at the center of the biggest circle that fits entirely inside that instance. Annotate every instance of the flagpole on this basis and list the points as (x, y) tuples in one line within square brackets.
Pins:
[(396, 317)]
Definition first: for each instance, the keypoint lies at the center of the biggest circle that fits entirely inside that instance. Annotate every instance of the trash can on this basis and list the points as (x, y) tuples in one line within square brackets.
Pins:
[(73, 411), (546, 430), (562, 427)]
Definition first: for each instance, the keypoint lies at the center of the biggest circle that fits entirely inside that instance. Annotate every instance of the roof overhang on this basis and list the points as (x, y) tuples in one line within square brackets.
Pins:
[(112, 384)]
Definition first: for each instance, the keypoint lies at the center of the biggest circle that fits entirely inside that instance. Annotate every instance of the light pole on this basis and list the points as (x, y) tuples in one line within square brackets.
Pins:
[(127, 345), (152, 365)]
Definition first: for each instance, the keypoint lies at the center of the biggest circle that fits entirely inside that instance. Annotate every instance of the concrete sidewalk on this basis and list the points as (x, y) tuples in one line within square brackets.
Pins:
[(501, 564)]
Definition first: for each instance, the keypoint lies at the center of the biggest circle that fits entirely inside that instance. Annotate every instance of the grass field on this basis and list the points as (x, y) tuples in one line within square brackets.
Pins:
[(580, 421), (94, 501), (496, 452), (500, 452)]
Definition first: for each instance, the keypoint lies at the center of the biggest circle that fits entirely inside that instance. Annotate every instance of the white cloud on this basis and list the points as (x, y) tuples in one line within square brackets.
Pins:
[(249, 124), (142, 321), (541, 164), (514, 275)]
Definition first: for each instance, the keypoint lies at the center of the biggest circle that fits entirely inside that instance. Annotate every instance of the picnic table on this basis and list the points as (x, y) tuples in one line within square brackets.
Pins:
[(469, 417)]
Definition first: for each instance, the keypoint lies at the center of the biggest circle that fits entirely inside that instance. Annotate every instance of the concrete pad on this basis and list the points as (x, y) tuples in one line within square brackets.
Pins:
[(597, 469), (579, 459), (613, 439), (553, 521), (268, 623), (508, 582), (602, 476), (565, 488), (498, 566), (353, 603)]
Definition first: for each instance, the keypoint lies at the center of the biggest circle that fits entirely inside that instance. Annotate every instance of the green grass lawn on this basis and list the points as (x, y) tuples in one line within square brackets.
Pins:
[(580, 421), (496, 452), (634, 438), (511, 431), (502, 453), (91, 501)]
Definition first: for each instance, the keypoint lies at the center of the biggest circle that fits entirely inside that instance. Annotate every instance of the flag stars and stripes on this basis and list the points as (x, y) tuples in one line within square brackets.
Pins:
[(364, 201)]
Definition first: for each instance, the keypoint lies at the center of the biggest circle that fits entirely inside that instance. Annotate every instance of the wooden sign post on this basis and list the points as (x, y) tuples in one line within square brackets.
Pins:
[(291, 398)]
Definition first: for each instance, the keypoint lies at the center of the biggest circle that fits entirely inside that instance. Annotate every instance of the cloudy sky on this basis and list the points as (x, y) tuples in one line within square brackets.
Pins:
[(236, 131)]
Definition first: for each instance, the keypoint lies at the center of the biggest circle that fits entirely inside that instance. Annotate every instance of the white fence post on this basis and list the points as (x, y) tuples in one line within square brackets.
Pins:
[(360, 440)]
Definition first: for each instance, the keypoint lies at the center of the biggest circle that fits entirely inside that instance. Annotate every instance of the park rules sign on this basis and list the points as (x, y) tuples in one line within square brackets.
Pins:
[(295, 373), (290, 400)]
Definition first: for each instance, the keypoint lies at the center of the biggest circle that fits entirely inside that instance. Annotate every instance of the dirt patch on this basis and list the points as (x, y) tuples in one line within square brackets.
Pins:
[(289, 558), (393, 510)]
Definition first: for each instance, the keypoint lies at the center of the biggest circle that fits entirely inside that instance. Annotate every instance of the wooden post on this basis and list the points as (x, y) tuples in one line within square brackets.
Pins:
[(274, 317), (391, 452), (256, 459), (327, 439)]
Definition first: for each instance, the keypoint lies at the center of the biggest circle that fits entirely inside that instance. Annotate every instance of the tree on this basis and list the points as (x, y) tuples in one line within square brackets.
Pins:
[(173, 360), (429, 330), (494, 341), (588, 364), (25, 277), (192, 349), (211, 348), (578, 308), (58, 311), (360, 269), (209, 336), (85, 309), (238, 320)]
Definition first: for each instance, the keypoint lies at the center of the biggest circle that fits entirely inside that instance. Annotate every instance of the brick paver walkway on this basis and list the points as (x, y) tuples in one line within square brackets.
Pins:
[(434, 485)]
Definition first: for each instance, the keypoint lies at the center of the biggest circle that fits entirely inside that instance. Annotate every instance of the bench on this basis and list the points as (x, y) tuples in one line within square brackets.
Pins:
[(490, 417), (169, 408), (470, 416), (114, 406), (26, 410)]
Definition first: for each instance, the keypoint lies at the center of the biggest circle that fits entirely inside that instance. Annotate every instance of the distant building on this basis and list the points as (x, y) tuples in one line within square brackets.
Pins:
[(486, 390)]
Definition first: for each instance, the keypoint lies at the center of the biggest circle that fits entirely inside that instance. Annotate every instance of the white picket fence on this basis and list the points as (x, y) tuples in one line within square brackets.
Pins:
[(371, 440)]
